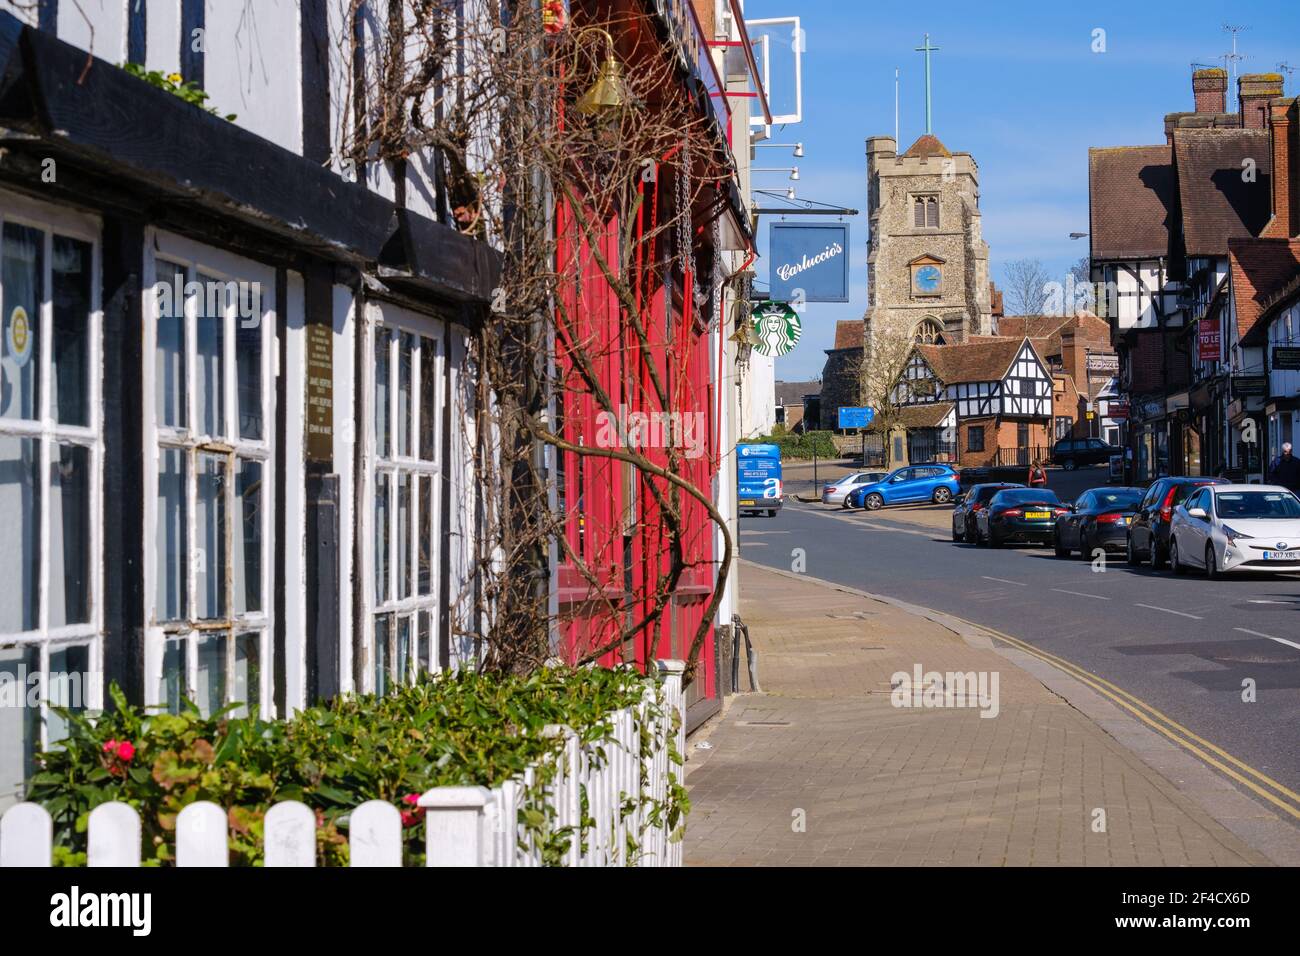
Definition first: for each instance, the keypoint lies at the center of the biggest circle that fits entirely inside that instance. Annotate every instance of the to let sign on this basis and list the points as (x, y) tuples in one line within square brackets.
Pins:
[(1207, 336), (809, 262)]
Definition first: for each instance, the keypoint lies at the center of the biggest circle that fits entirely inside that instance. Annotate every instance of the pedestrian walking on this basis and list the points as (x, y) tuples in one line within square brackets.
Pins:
[(1286, 470), (1037, 475)]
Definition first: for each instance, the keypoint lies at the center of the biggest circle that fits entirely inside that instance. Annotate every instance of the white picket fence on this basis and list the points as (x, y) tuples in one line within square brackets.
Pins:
[(464, 826)]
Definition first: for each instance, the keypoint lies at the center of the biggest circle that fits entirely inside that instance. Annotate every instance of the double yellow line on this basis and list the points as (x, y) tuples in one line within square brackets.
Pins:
[(1259, 783)]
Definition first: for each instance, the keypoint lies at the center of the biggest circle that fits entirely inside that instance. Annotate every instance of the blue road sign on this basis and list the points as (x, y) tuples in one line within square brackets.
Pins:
[(856, 417)]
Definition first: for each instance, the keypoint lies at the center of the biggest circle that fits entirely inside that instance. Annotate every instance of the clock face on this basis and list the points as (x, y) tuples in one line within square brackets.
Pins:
[(928, 279)]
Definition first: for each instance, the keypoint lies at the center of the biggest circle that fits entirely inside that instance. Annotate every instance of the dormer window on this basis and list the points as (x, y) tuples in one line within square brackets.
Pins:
[(925, 212)]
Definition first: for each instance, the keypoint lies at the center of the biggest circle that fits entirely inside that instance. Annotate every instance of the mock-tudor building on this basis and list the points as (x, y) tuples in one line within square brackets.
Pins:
[(983, 402)]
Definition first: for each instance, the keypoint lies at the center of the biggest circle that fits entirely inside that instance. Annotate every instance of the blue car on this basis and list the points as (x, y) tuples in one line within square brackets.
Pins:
[(937, 483)]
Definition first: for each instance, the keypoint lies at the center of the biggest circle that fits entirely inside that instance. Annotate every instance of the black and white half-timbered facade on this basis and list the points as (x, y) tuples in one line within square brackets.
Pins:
[(990, 398), (235, 403)]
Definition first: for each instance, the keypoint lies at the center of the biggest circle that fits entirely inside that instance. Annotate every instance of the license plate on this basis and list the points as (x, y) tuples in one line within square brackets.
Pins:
[(1037, 515), (747, 502), (1279, 556)]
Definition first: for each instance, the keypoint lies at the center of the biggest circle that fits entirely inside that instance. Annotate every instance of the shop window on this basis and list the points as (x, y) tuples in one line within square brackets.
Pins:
[(210, 496), (405, 480), (50, 607), (975, 438)]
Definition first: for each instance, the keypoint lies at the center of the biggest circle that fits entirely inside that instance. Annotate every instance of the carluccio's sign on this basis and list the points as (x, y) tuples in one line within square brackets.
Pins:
[(809, 261), (776, 328)]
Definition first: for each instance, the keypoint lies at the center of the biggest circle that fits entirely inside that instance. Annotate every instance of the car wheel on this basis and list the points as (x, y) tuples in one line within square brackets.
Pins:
[(1068, 464), (980, 540), (1211, 565), (1130, 555), (1175, 564), (1061, 551), (941, 496), (874, 502), (957, 535), (771, 512), (993, 539), (1085, 549), (1157, 558)]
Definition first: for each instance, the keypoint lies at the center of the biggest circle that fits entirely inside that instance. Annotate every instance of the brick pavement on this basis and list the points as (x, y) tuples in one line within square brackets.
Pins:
[(880, 785)]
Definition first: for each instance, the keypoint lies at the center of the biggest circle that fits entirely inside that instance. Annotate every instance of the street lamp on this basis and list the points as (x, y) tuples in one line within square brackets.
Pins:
[(792, 170), (798, 147), (1077, 235)]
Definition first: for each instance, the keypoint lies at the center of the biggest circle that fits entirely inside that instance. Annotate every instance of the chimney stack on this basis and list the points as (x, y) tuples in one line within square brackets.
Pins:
[(1254, 90), (1284, 128), (1210, 87)]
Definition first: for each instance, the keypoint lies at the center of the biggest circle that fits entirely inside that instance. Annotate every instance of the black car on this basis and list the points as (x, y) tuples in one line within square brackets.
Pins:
[(1098, 519), (1019, 514), (1148, 532), (1070, 453), (970, 503)]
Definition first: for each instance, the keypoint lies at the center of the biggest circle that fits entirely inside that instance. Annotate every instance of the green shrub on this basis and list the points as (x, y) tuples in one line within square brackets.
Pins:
[(806, 445), (451, 729)]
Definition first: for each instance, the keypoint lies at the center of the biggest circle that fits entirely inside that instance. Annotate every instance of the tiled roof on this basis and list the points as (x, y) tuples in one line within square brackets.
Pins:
[(1130, 198), (983, 360), (1216, 202), (848, 334), (1030, 326), (927, 145), (923, 416), (792, 393), (1260, 269)]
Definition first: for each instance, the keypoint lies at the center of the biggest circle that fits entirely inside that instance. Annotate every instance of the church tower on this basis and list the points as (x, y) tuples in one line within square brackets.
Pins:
[(928, 264)]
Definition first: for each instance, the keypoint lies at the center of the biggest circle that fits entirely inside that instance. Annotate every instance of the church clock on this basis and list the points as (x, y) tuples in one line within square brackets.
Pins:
[(927, 276)]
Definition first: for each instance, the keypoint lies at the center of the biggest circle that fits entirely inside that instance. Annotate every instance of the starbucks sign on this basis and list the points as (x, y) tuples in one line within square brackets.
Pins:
[(776, 328)]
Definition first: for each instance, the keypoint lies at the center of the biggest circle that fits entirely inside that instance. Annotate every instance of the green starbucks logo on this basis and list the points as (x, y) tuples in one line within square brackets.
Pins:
[(776, 328)]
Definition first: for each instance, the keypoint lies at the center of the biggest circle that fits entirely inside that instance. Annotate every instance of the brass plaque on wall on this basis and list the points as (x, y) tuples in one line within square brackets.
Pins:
[(320, 393)]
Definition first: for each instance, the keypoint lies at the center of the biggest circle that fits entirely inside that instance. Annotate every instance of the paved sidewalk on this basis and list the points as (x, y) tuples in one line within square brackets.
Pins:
[(877, 784)]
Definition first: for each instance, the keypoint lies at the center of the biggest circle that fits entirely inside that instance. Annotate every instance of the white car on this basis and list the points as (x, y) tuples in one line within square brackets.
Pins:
[(1221, 528), (836, 492)]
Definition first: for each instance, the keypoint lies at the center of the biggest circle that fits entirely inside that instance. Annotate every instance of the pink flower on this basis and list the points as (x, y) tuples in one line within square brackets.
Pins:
[(125, 750), (412, 817), (411, 798), (110, 746)]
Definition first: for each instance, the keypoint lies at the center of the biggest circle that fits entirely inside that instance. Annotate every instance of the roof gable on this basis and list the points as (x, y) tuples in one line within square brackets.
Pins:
[(1260, 270), (1216, 200), (1130, 201), (986, 360)]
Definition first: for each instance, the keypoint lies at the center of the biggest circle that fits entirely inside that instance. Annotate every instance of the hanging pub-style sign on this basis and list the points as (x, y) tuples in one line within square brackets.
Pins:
[(776, 328), (809, 261)]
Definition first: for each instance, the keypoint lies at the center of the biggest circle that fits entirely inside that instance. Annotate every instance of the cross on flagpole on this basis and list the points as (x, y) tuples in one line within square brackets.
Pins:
[(927, 50)]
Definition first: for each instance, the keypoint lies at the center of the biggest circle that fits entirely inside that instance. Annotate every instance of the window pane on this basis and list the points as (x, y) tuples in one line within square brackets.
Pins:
[(381, 392), (69, 587), (173, 684), (171, 550), (404, 650), (20, 727), (68, 684), (381, 538), (424, 650), (382, 625), (248, 674), (71, 301), (428, 399), (169, 360), (20, 511), (405, 357), (21, 278), (210, 356), (248, 362), (210, 527), (404, 568), (211, 689), (247, 564), (424, 539)]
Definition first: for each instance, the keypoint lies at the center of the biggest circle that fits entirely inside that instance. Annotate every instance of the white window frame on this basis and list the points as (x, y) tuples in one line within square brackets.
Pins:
[(50, 220), (225, 267), (391, 320)]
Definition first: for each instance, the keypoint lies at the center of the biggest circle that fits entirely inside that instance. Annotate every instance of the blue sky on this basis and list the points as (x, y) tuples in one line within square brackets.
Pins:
[(1017, 85)]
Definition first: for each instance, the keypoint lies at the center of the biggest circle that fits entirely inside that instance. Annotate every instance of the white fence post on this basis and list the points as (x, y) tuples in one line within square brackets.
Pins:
[(26, 836), (114, 836), (453, 825), (201, 836), (675, 702), (290, 835), (375, 835)]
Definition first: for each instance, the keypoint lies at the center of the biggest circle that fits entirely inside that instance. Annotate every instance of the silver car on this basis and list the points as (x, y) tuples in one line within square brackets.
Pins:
[(1226, 528), (836, 492)]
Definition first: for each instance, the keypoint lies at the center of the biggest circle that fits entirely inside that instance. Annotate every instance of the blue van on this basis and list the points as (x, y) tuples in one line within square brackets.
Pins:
[(758, 479)]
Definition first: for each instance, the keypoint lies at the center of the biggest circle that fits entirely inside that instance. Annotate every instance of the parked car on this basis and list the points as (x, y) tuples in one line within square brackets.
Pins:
[(837, 492), (971, 503), (1226, 528), (1098, 519), (937, 483), (1148, 531), (1018, 514), (1070, 453)]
